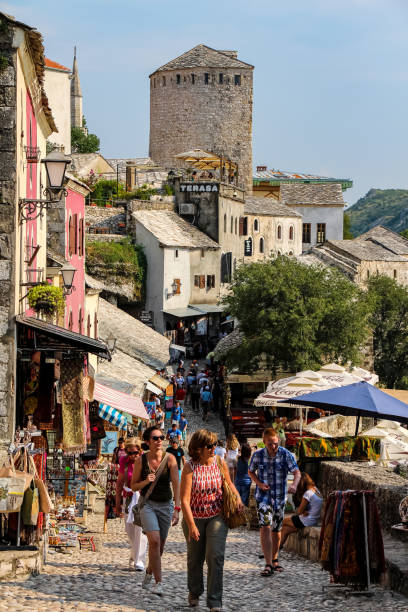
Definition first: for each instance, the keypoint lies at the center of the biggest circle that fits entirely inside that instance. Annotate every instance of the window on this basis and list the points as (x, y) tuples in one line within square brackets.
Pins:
[(176, 253), (70, 321), (95, 325), (80, 321), (71, 235), (210, 281), (291, 232), (225, 224), (206, 78), (202, 253), (321, 232), (395, 274), (261, 245), (196, 281), (256, 225), (248, 247), (81, 238), (232, 225), (178, 79), (75, 234), (154, 83), (237, 79), (220, 78), (290, 253), (368, 273), (88, 326), (164, 81), (307, 232), (193, 79), (202, 281), (177, 282), (279, 232), (226, 259), (236, 225)]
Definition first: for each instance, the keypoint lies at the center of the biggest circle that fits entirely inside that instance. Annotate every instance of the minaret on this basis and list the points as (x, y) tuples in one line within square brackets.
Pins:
[(76, 96)]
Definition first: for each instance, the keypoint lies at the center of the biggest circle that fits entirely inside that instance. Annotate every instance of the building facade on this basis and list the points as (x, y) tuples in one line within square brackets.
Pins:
[(203, 99), (57, 85)]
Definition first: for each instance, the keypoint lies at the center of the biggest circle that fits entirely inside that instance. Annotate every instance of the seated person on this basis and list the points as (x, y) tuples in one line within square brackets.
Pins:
[(308, 513)]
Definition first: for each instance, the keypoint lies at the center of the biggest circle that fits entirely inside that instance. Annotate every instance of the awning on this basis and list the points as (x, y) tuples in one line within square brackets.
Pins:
[(193, 310), (151, 387), (121, 401), (207, 308), (160, 382), (52, 337), (178, 347), (110, 414)]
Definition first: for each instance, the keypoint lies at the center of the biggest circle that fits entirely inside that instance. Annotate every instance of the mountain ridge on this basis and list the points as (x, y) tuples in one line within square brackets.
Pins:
[(387, 207)]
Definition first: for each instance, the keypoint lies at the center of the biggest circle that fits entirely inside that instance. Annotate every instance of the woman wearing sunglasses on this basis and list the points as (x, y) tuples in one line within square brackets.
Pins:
[(124, 494), (203, 525), (158, 512)]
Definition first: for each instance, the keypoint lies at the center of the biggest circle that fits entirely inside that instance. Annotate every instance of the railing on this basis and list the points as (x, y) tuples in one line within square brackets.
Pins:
[(32, 154)]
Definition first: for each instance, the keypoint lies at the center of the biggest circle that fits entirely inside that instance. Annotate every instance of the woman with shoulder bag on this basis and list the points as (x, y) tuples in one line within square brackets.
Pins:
[(152, 474), (125, 497), (203, 524)]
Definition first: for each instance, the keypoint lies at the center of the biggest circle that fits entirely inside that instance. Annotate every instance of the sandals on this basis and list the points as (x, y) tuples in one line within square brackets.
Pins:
[(267, 571), (276, 567)]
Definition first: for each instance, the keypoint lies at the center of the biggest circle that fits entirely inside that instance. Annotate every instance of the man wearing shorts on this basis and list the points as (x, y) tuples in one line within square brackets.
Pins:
[(269, 469)]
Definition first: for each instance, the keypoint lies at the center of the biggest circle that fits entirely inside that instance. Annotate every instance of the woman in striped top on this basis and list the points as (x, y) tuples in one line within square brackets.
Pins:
[(203, 525)]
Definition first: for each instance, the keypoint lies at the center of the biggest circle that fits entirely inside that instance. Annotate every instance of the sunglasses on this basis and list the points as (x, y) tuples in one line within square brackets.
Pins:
[(210, 446), (133, 452), (157, 438)]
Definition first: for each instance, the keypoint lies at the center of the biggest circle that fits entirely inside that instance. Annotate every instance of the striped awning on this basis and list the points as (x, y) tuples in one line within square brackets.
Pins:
[(108, 413), (121, 401)]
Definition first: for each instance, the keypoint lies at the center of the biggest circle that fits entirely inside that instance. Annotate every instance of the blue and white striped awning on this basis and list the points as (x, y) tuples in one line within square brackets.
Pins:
[(108, 413)]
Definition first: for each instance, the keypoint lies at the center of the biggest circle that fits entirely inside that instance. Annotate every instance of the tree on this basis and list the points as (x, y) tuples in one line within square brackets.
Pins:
[(389, 321), (295, 316), (404, 233), (105, 190), (84, 143), (347, 234)]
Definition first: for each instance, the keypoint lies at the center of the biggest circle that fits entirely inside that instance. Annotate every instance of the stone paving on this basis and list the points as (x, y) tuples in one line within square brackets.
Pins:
[(101, 581)]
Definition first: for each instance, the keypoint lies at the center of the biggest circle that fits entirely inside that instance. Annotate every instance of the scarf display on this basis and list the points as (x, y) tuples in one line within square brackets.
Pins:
[(73, 408), (342, 540)]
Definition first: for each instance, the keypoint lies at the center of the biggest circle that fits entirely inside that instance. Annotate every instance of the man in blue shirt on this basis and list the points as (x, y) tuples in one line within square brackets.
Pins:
[(174, 433), (177, 412), (205, 401), (269, 469), (183, 428)]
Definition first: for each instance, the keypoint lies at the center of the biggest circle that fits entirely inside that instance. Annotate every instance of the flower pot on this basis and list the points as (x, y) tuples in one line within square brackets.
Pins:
[(93, 204), (108, 205)]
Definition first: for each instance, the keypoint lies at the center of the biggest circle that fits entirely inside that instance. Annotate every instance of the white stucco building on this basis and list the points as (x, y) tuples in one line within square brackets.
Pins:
[(58, 88)]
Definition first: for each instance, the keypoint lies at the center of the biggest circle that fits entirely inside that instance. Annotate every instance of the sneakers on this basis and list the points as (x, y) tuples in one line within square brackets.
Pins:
[(147, 578), (139, 567), (157, 589), (192, 600)]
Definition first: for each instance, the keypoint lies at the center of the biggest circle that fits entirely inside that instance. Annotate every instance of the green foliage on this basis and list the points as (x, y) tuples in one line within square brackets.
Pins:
[(387, 207), (125, 261), (107, 191), (142, 193), (46, 299), (169, 189), (404, 234), (50, 146), (295, 316), (347, 234), (4, 62), (84, 143), (389, 321)]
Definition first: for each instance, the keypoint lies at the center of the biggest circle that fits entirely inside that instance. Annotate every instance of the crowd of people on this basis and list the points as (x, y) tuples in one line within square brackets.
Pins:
[(158, 479)]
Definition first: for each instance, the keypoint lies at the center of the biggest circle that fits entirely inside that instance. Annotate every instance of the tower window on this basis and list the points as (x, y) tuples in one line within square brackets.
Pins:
[(261, 245), (164, 81), (256, 225), (154, 83), (225, 224), (279, 232), (232, 225), (206, 78), (237, 79), (176, 253), (193, 79), (291, 232), (178, 79), (220, 78), (307, 232), (321, 232)]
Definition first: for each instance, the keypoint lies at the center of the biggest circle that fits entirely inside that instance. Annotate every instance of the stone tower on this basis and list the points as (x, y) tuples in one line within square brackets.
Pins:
[(76, 96), (203, 100)]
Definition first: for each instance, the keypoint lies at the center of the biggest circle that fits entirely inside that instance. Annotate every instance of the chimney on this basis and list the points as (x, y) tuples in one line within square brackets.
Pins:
[(261, 168)]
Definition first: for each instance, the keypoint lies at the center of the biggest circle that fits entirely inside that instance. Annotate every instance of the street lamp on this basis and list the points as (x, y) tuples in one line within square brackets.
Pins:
[(68, 273), (111, 342), (55, 166)]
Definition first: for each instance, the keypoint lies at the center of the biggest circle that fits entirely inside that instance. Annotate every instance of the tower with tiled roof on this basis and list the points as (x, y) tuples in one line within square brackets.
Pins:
[(203, 100), (77, 119)]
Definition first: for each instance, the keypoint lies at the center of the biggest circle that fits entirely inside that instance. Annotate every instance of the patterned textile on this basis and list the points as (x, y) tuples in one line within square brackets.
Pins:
[(110, 498), (268, 516), (360, 448), (206, 490), (73, 410), (112, 416), (273, 471), (342, 545)]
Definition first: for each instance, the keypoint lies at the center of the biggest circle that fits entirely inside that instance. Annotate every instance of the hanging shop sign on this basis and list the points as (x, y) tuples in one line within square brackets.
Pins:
[(248, 247), (199, 187), (146, 317)]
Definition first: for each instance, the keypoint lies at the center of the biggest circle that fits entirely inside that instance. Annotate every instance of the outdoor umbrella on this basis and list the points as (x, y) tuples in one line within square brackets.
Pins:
[(357, 399)]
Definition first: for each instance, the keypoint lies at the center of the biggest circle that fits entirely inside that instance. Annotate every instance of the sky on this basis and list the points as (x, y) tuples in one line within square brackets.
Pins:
[(330, 79)]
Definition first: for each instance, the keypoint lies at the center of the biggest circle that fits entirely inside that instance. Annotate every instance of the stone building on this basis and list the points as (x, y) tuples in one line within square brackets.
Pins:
[(203, 99)]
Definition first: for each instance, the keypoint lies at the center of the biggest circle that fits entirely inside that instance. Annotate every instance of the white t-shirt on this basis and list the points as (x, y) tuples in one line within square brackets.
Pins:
[(220, 451), (232, 456), (313, 508)]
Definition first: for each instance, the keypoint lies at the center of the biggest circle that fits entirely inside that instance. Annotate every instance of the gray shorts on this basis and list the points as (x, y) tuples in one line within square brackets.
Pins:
[(156, 516)]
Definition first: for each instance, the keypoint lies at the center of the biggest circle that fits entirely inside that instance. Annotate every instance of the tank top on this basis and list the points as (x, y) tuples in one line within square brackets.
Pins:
[(162, 491), (206, 490)]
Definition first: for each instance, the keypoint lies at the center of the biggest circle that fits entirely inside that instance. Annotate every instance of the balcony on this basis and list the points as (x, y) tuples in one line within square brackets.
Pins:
[(32, 154)]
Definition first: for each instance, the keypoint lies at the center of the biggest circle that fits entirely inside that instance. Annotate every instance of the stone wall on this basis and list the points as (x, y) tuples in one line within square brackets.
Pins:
[(389, 488), (134, 205), (215, 117), (8, 203)]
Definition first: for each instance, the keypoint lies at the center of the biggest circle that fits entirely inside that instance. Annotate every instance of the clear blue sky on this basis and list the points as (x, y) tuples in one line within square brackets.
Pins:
[(330, 82)]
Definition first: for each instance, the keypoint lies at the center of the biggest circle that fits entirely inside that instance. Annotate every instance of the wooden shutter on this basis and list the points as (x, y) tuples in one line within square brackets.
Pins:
[(178, 283), (245, 227), (96, 325), (70, 321), (88, 326), (241, 226), (81, 238), (202, 281), (75, 234), (196, 281), (71, 236)]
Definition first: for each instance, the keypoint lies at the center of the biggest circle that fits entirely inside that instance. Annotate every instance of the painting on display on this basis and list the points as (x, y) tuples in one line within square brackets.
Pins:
[(109, 443)]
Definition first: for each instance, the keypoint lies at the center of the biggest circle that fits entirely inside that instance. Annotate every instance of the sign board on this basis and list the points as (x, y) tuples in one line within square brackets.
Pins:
[(199, 187), (146, 317), (248, 247)]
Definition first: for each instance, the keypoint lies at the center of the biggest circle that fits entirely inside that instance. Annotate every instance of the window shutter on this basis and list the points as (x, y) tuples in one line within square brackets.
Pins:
[(178, 283), (75, 234), (245, 226), (208, 281), (70, 321), (96, 325), (71, 236), (81, 238), (88, 326), (196, 281), (241, 226), (202, 281), (213, 281)]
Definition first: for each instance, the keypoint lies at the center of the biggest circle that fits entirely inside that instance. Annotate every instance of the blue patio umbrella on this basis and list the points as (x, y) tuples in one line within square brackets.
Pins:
[(357, 399)]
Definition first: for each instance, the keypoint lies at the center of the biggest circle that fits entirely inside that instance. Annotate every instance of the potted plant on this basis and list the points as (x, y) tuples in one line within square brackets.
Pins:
[(46, 299)]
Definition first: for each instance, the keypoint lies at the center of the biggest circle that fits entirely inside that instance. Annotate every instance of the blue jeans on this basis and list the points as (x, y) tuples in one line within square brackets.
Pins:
[(243, 490)]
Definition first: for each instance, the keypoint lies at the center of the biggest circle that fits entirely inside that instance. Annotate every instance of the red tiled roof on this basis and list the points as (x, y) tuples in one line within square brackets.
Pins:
[(50, 64)]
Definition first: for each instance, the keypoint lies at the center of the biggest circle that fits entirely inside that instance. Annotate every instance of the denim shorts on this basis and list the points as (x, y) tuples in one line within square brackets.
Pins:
[(156, 516)]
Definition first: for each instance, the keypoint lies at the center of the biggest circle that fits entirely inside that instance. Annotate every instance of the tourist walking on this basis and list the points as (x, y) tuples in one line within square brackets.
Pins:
[(308, 513), (232, 447), (205, 401), (119, 451), (242, 478), (182, 425), (156, 468), (195, 395), (203, 525), (176, 450), (125, 498), (268, 469)]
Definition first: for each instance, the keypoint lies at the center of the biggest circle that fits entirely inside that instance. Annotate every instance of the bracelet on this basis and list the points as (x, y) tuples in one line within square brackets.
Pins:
[(177, 508)]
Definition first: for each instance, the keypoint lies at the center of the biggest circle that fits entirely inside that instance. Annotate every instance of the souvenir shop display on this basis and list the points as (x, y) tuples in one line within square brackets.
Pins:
[(351, 544)]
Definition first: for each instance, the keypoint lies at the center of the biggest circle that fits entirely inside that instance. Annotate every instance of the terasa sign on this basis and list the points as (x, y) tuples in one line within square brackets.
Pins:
[(201, 188)]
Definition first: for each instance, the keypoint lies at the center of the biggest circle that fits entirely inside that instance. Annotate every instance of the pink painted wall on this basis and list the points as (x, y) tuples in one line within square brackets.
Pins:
[(75, 205), (30, 239)]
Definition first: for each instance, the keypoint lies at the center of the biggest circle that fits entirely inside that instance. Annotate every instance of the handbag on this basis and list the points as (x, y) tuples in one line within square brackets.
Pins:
[(13, 483), (45, 502), (30, 506), (232, 517), (143, 498), (10, 470)]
